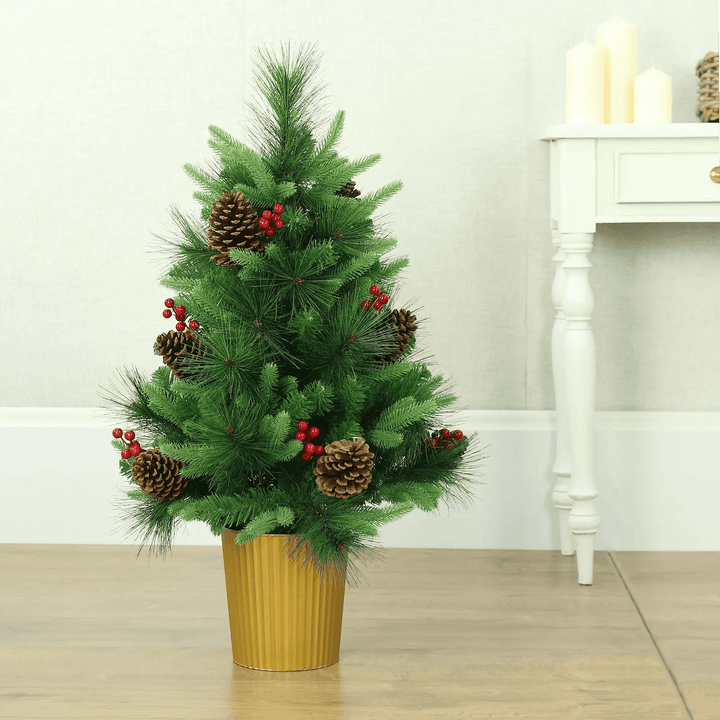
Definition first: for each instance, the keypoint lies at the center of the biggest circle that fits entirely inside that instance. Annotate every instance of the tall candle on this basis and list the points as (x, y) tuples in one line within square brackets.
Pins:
[(584, 84), (653, 97), (618, 40)]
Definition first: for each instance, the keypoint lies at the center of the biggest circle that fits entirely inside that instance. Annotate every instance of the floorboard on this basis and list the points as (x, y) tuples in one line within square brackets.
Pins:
[(678, 595), (93, 632)]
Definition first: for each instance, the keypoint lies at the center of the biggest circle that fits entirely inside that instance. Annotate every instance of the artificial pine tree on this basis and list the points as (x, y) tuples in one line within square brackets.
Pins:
[(295, 405)]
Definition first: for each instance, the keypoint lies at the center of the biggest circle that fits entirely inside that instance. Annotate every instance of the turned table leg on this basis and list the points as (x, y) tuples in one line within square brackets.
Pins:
[(579, 372), (561, 468)]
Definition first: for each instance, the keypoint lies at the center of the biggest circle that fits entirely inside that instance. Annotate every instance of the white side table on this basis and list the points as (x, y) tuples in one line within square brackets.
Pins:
[(610, 173)]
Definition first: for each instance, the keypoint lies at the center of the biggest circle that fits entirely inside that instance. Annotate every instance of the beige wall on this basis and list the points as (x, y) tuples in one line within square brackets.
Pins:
[(104, 102)]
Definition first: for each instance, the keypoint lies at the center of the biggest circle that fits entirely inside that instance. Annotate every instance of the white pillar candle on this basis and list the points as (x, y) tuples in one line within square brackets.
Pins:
[(653, 97), (618, 40), (584, 84)]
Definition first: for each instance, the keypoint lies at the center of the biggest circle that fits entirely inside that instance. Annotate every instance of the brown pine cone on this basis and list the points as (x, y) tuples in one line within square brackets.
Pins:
[(223, 260), (403, 327), (158, 475), (344, 469), (174, 346), (233, 224), (348, 190)]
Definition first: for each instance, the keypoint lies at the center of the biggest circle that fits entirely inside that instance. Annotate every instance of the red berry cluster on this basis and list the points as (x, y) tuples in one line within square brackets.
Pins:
[(179, 315), (380, 299), (267, 218), (304, 433), (444, 438), (133, 447)]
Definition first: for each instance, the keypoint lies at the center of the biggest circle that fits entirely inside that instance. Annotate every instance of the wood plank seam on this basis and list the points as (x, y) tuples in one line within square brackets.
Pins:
[(652, 637)]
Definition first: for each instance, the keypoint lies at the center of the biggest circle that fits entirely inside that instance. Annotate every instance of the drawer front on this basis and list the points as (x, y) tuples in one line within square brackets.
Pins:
[(651, 176)]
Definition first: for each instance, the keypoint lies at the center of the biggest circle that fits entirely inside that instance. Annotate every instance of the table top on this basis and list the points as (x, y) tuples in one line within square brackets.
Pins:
[(633, 130)]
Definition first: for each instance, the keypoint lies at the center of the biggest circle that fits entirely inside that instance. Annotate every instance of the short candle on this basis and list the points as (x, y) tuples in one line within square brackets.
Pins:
[(653, 97)]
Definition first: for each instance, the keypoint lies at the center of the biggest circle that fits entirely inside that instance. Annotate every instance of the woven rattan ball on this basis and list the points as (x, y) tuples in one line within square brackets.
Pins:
[(707, 71)]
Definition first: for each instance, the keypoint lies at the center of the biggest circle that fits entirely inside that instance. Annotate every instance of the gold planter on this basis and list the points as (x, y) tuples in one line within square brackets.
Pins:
[(283, 615)]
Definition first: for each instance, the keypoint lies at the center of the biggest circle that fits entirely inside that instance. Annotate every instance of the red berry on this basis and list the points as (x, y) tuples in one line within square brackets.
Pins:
[(135, 449), (378, 304), (278, 223), (313, 432), (457, 434), (301, 436), (180, 310), (319, 449), (278, 209), (266, 214), (305, 456), (169, 303), (269, 232), (129, 435), (302, 425), (264, 223), (383, 298), (365, 305), (167, 313), (435, 442), (445, 433), (374, 290), (448, 445), (124, 453), (193, 324), (309, 448), (117, 433), (180, 326), (180, 317)]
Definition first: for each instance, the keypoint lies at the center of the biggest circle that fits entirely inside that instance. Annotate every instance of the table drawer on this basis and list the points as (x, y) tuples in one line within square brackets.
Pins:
[(661, 177)]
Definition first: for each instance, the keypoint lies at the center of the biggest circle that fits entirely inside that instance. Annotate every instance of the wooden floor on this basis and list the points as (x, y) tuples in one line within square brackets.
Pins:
[(93, 632)]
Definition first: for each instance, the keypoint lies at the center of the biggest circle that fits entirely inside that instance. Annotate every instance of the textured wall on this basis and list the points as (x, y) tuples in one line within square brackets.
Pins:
[(104, 102)]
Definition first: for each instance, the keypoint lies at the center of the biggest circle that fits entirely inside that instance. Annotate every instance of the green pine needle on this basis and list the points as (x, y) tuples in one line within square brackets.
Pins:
[(283, 338)]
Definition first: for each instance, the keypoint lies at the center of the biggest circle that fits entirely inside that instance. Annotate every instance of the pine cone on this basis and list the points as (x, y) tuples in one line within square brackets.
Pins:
[(344, 469), (403, 327), (158, 475), (174, 346), (233, 224), (348, 190), (223, 260)]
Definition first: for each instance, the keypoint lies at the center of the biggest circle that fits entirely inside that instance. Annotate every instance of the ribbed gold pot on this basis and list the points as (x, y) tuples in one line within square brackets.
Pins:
[(283, 615)]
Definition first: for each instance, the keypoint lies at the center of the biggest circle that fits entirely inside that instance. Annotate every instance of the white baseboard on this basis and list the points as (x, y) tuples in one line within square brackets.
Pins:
[(657, 474)]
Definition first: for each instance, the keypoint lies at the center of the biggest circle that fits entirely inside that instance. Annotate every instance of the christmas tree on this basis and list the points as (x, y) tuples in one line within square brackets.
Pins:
[(289, 399)]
